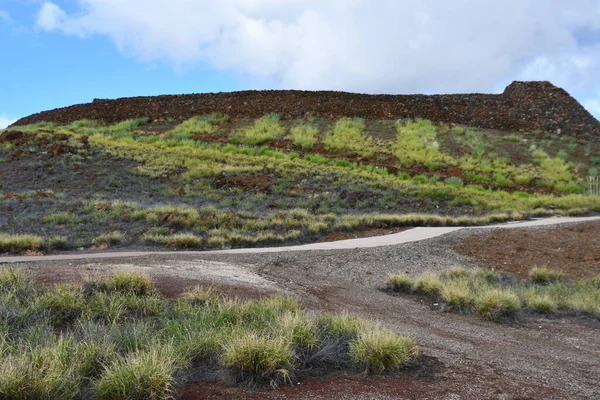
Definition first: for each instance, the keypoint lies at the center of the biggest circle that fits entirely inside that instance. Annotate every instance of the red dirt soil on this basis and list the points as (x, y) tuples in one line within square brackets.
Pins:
[(574, 250)]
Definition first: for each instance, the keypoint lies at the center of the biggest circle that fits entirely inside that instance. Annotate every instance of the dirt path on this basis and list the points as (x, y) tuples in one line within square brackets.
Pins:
[(466, 357)]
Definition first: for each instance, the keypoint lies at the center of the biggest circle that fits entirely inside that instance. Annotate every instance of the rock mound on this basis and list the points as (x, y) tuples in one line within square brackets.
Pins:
[(524, 106)]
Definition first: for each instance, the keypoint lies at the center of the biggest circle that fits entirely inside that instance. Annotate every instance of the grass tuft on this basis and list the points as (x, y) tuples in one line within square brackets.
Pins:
[(497, 303), (15, 243), (380, 350), (544, 276), (400, 283), (121, 282)]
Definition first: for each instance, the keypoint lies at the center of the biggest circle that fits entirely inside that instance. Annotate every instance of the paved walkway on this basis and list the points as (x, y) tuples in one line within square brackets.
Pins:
[(411, 235)]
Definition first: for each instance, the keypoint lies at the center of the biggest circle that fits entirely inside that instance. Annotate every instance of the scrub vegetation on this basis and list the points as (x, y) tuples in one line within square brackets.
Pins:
[(116, 337), (210, 182), (494, 296)]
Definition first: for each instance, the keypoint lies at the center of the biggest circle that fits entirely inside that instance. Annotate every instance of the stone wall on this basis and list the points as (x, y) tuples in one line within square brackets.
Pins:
[(524, 106)]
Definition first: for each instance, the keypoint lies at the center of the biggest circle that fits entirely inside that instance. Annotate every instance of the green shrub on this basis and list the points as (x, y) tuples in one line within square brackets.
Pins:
[(379, 350)]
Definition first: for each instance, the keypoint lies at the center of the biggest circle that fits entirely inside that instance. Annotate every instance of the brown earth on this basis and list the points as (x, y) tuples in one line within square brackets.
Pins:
[(524, 106), (574, 250)]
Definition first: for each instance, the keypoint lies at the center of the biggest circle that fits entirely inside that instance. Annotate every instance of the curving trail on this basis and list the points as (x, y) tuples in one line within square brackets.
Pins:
[(408, 236)]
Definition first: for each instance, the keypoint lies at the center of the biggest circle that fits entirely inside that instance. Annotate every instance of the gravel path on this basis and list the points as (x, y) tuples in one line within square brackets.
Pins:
[(408, 236)]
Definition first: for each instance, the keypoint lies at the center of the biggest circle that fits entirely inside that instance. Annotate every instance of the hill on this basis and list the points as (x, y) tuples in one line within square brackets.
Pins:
[(260, 168)]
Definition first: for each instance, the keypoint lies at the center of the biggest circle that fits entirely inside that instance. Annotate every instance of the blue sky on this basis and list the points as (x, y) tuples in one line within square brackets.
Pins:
[(60, 53)]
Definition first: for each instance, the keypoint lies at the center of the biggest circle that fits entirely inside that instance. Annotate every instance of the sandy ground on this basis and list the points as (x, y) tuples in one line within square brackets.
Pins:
[(464, 357)]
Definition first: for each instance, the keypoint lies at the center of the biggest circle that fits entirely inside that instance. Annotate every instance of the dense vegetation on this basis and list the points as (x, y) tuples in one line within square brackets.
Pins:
[(116, 337), (209, 182)]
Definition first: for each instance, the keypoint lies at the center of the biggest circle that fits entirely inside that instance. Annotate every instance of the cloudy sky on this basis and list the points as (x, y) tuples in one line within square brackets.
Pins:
[(57, 53)]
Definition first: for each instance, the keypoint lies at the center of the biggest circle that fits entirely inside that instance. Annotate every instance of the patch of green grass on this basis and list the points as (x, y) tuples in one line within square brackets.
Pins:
[(348, 134), (128, 125), (61, 218), (417, 143), (201, 124), (304, 136), (266, 128), (112, 238), (495, 298), (513, 138), (379, 350), (429, 283), (115, 337), (147, 375), (497, 303), (544, 275), (16, 243), (121, 282), (400, 283), (262, 357)]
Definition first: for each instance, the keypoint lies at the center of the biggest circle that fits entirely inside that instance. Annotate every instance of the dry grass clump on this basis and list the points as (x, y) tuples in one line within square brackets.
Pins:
[(15, 243), (400, 283), (497, 303), (495, 297), (380, 350), (123, 282), (544, 275), (112, 238)]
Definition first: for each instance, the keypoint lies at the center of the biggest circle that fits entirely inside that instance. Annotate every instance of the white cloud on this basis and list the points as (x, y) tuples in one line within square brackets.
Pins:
[(389, 46), (4, 121)]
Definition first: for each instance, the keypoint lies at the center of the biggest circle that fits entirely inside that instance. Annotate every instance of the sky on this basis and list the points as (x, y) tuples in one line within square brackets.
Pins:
[(63, 52)]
